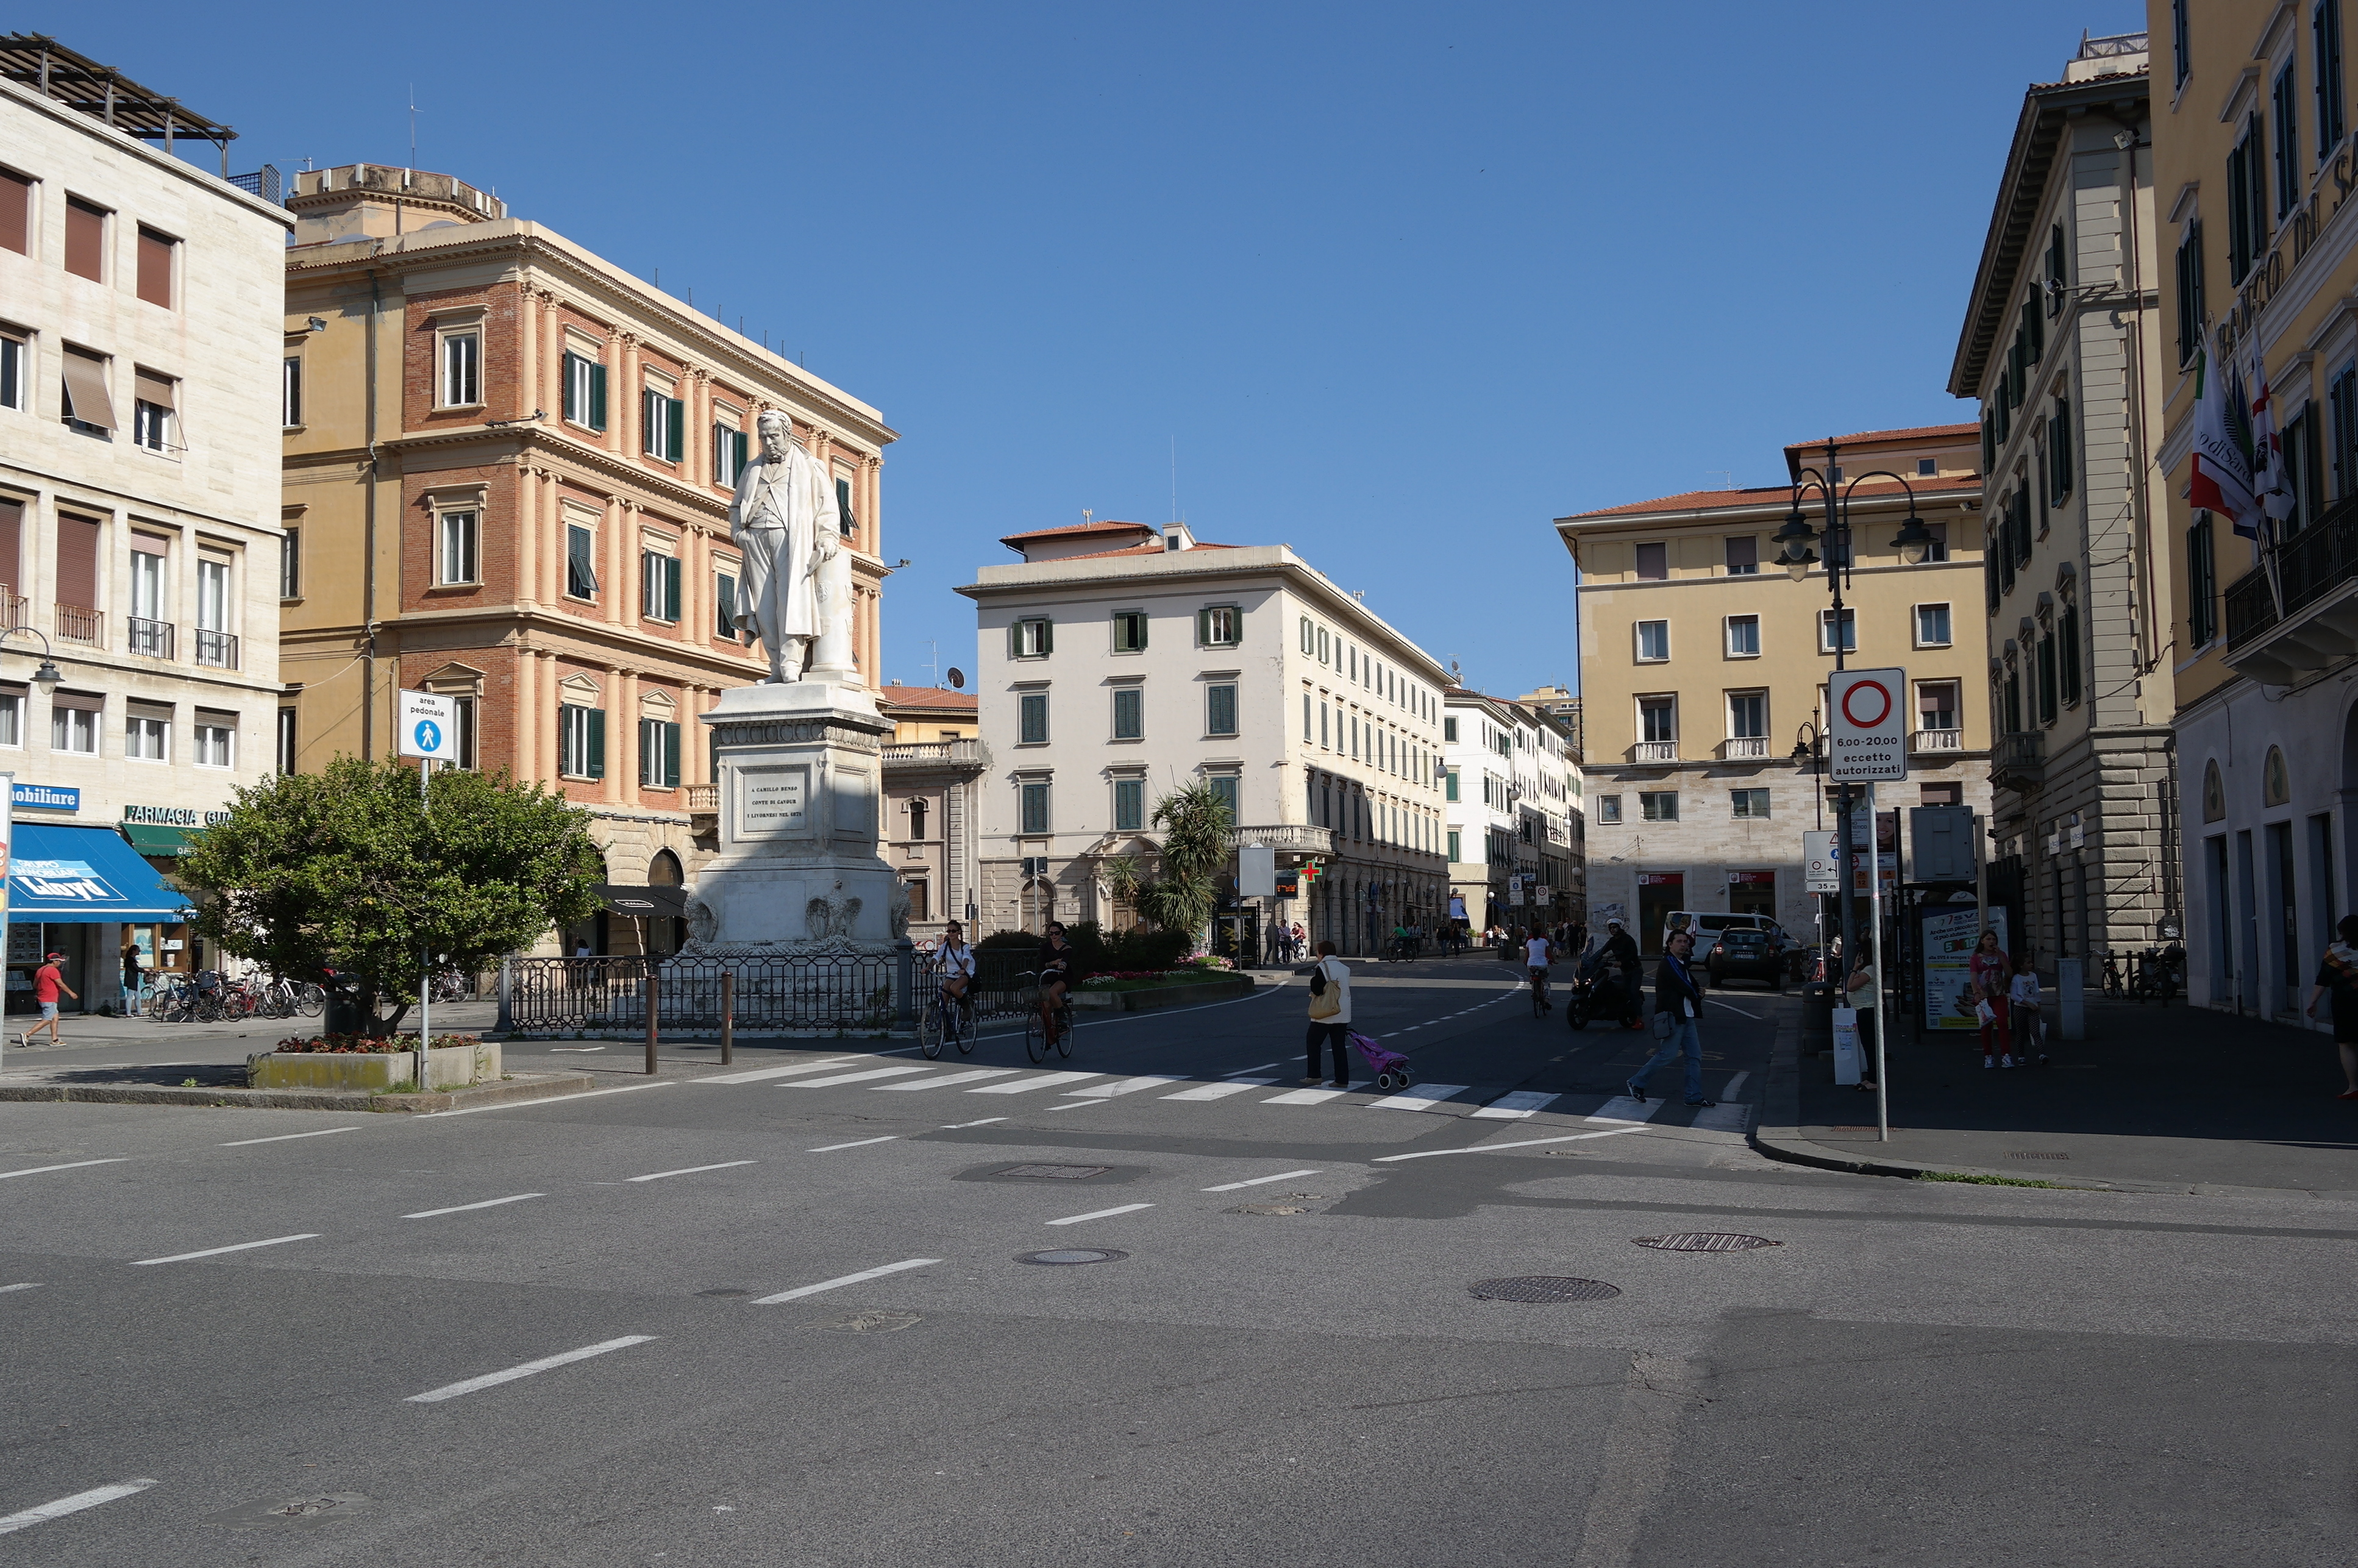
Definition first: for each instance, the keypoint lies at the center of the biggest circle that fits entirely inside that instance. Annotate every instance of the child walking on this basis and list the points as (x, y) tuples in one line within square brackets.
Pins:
[(2022, 1006)]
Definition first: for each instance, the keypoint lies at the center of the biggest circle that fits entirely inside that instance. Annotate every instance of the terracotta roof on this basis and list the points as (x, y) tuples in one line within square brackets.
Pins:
[(1708, 499), (1077, 531), (1912, 433), (926, 696)]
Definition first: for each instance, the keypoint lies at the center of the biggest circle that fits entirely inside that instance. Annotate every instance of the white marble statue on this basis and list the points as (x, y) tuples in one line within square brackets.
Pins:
[(795, 589)]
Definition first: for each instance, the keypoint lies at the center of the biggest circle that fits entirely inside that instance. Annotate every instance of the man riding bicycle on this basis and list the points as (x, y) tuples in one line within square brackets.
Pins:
[(1060, 972), (1538, 953)]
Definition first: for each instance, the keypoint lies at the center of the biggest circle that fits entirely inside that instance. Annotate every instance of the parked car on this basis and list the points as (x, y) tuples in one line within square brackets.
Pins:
[(1745, 953)]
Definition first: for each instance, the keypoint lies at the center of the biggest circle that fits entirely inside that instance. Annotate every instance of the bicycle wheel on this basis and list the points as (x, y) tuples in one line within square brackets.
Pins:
[(1064, 1032), (961, 1028), (1035, 1039), (208, 1011), (1539, 999), (314, 1000), (929, 1029)]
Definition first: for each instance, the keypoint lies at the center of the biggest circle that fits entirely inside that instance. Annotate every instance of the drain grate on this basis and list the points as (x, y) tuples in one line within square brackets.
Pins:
[(1054, 1173), (1068, 1257), (317, 1508), (2032, 1155), (1703, 1241), (1271, 1208), (876, 1320), (1542, 1288)]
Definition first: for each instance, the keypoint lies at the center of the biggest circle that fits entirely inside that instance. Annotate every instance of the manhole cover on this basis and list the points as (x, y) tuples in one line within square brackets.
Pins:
[(1271, 1208), (725, 1290), (875, 1320), (1065, 1256), (2028, 1154), (317, 1508), (1055, 1172), (1543, 1288), (1703, 1241)]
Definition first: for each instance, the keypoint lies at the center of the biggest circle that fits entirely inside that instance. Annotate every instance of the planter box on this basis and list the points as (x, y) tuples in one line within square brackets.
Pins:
[(1194, 995), (447, 1067)]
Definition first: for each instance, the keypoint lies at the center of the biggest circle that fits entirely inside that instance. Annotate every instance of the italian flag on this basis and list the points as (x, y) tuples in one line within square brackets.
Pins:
[(2221, 480)]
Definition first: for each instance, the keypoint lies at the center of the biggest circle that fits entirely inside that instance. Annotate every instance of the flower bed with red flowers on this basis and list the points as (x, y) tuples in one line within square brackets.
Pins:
[(370, 1045)]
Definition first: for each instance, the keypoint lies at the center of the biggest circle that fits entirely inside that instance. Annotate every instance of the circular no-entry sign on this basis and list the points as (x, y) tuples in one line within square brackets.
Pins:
[(1867, 703)]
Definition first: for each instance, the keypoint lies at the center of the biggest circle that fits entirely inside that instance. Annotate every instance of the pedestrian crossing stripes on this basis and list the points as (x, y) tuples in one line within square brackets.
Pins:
[(852, 1077)]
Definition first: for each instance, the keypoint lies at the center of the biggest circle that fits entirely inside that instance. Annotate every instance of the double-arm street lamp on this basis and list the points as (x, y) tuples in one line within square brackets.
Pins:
[(1914, 541)]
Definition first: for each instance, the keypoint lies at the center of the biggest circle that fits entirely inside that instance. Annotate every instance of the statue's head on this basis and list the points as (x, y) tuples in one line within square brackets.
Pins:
[(777, 433)]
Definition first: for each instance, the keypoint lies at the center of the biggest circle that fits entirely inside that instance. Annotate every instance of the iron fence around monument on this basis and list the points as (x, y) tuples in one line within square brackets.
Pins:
[(1006, 984), (858, 993)]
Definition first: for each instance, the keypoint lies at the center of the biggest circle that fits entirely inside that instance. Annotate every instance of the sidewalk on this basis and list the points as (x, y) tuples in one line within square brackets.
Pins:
[(2176, 1098)]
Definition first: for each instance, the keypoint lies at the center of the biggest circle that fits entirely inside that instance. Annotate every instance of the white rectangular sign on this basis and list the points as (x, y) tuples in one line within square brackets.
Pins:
[(1868, 735), (1819, 873), (430, 726)]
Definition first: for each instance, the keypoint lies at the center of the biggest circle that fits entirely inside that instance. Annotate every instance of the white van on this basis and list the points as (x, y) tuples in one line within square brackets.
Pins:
[(1708, 926)]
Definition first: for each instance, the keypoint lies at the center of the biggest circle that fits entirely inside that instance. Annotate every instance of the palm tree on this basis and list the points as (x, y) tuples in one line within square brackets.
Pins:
[(1195, 823)]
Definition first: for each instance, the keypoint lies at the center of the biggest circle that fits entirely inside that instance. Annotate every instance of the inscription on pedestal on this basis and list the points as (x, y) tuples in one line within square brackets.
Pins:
[(772, 803)]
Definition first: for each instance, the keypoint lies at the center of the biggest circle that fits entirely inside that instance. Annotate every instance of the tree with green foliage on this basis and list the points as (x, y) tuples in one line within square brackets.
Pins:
[(1195, 824), (350, 872)]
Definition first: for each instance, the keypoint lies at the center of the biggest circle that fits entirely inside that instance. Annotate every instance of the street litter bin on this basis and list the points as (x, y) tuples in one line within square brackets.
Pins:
[(1817, 1018), (344, 1014)]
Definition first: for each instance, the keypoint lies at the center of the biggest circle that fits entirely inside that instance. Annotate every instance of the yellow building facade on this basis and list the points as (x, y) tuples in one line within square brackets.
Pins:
[(1703, 665)]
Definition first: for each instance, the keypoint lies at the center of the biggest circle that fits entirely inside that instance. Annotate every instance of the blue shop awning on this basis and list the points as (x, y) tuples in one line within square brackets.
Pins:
[(77, 875)]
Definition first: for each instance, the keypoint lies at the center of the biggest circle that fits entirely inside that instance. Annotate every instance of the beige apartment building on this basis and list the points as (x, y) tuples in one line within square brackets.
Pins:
[(2062, 344), (1702, 669), (508, 471), (139, 541), (2255, 165), (933, 766)]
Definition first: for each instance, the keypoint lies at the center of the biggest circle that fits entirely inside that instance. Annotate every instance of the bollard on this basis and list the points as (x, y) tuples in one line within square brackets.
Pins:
[(654, 984), (506, 1023), (728, 1016)]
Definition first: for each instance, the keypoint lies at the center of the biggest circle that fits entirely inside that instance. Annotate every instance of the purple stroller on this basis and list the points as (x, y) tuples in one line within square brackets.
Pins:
[(1391, 1069)]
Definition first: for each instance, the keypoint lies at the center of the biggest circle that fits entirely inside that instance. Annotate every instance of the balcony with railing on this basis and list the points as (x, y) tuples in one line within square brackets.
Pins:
[(965, 753), (1296, 837), (76, 624), (1939, 739), (2296, 613), (702, 797), (1745, 749), (217, 650), (2018, 762), (1654, 751), (13, 609), (153, 638)]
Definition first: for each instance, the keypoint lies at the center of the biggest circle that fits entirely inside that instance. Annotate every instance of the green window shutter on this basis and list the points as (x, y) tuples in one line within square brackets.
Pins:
[(1047, 636), (671, 592), (597, 397), (565, 380), (647, 401), (671, 756), (648, 583), (675, 428), (597, 768)]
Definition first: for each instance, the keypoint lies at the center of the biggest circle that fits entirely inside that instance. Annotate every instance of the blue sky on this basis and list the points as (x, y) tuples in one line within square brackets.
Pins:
[(1400, 283)]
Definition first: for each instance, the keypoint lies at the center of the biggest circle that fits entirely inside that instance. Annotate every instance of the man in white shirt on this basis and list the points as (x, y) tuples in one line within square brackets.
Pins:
[(1538, 953)]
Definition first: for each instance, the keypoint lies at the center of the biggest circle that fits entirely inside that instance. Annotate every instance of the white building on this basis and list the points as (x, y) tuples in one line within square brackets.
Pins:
[(1120, 663), (140, 350), (1512, 794)]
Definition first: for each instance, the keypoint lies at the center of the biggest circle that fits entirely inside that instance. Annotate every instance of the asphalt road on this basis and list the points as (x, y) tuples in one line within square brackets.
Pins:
[(775, 1314)]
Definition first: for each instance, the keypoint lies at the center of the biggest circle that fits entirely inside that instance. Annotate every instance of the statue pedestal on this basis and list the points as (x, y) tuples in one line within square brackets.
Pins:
[(802, 775)]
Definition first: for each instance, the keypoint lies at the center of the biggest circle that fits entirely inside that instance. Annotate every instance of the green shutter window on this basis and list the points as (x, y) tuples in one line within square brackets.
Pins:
[(1128, 805), (671, 756), (1221, 710), (597, 397), (844, 518), (581, 578), (597, 748), (725, 599), (1032, 718), (2058, 448), (2034, 328), (671, 589), (2068, 655), (675, 428), (569, 400), (1129, 713), (650, 421), (1449, 789), (1223, 790)]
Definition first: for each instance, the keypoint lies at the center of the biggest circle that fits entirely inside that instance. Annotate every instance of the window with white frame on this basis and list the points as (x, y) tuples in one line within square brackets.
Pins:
[(1747, 715), (290, 564), (1849, 633), (732, 447), (73, 727), (658, 586), (1309, 636), (1220, 625), (155, 402), (461, 380), (724, 597), (290, 392), (215, 739), (660, 432), (15, 355), (1653, 642), (12, 720), (1748, 804), (1661, 805), (1130, 630), (456, 541), (1128, 805), (1129, 713), (1936, 704), (1220, 709), (148, 737), (581, 574), (1030, 638), (463, 730), (285, 741), (583, 384), (1931, 625), (1744, 636), (580, 741), (1657, 719)]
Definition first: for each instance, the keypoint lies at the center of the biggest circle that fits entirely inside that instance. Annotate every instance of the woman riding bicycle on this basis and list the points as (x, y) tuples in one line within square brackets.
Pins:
[(957, 968), (1060, 972)]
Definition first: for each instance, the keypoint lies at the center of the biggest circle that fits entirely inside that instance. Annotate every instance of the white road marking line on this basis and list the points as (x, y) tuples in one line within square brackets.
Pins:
[(1303, 1096), (1101, 1213), (1127, 1085), (975, 1077), (1243, 1070), (801, 1291), (1077, 1105), (282, 1137), (1041, 1081), (853, 1078), (1733, 1086), (577, 1050), (1423, 1097), (1516, 1107), (986, 1121), (1623, 1108), (552, 1100), (78, 1164), (1222, 1090), (217, 1251), (1732, 1008), (28, 1285), (72, 1505), (463, 1207), (1260, 1181), (758, 1073), (1493, 1147), (493, 1380), (690, 1170), (859, 1143)]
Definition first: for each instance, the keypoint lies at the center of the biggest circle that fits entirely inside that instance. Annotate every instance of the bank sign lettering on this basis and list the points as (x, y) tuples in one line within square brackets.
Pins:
[(64, 881), (1869, 732)]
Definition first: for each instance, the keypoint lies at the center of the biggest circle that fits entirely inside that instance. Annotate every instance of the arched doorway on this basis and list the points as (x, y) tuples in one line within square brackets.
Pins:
[(664, 871)]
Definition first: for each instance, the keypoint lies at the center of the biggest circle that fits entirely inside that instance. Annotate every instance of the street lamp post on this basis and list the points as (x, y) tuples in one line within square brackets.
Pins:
[(47, 677), (1914, 540)]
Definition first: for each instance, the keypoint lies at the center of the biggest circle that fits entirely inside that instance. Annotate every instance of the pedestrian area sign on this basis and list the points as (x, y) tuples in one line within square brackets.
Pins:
[(430, 726), (1869, 729)]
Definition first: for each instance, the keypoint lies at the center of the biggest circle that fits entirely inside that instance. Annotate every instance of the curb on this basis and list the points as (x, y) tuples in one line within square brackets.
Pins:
[(536, 1086)]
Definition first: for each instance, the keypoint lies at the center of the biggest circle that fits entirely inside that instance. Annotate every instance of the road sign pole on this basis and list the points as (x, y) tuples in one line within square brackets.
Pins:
[(1874, 925), (426, 990)]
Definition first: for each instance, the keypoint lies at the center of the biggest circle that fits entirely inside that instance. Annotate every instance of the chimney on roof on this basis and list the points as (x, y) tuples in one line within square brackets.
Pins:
[(1176, 536)]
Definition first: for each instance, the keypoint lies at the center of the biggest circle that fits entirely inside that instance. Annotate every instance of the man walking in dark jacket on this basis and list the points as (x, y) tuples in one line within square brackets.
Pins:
[(1678, 1018)]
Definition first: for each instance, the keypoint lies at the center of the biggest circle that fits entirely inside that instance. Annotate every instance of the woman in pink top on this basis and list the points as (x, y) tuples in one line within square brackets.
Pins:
[(1992, 971)]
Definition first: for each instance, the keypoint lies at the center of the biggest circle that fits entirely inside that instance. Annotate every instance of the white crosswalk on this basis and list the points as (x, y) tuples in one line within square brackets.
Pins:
[(1042, 1081), (973, 1076), (1305, 1096), (1423, 1097), (1516, 1107), (1222, 1090), (1127, 1086), (852, 1077)]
